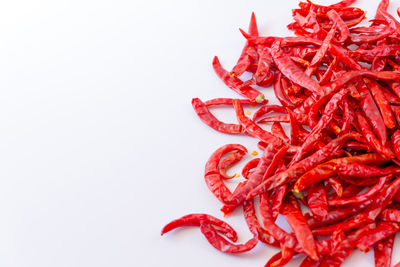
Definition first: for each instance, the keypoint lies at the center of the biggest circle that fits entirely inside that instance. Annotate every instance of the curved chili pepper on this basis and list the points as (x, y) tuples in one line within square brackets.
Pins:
[(281, 258), (277, 130), (196, 220), (229, 161), (249, 166), (383, 252), (266, 109), (279, 93), (252, 221), (209, 119), (212, 176), (362, 197), (336, 185), (236, 84), (222, 244)]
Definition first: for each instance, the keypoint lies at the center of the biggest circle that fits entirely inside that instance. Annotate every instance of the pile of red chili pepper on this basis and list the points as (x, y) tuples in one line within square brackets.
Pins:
[(339, 88)]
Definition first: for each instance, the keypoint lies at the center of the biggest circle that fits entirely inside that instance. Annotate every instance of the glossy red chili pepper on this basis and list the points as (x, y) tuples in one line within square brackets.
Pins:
[(236, 84), (317, 201), (277, 199), (222, 244), (253, 224), (383, 230), (229, 101), (209, 119), (229, 161), (383, 252), (196, 220), (281, 258), (249, 166), (370, 136), (212, 176), (277, 130), (390, 215), (292, 212), (266, 109), (362, 197)]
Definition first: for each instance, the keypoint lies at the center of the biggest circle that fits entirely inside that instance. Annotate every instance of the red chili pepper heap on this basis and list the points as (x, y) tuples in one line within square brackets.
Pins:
[(339, 87)]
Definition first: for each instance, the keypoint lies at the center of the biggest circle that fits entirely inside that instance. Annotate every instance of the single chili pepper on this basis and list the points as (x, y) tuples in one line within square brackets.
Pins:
[(250, 126), (296, 129), (328, 169), (344, 31), (336, 185), (292, 212), (196, 220), (228, 102), (390, 215), (209, 119), (359, 170), (222, 244), (382, 231), (229, 161), (212, 176), (362, 197), (383, 252), (382, 102), (263, 76), (317, 201), (370, 137), (302, 166), (236, 84), (266, 109), (252, 221), (280, 94), (249, 166)]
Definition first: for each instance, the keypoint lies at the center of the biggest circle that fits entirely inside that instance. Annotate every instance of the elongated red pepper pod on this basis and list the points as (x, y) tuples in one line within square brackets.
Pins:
[(213, 177), (317, 201), (196, 220), (229, 101), (362, 197), (390, 215), (266, 109), (229, 161), (281, 258), (236, 84), (291, 71), (222, 244), (383, 252), (249, 166), (382, 231), (292, 212), (209, 119)]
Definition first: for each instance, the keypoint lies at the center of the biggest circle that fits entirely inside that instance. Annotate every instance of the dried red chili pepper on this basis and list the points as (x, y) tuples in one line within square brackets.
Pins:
[(383, 252), (383, 230), (229, 161), (196, 220), (317, 201), (249, 166)]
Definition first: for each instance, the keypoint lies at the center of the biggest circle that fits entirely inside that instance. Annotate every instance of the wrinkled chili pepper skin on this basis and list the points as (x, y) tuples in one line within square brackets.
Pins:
[(229, 161), (383, 230), (390, 215), (383, 252), (317, 201), (292, 212), (196, 220), (209, 119), (213, 177), (222, 244)]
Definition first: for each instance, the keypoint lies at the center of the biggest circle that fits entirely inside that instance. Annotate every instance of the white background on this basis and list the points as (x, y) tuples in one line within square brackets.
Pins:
[(99, 145)]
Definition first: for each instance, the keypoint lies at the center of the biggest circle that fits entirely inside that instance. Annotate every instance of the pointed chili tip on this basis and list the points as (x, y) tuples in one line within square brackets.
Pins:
[(244, 34)]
